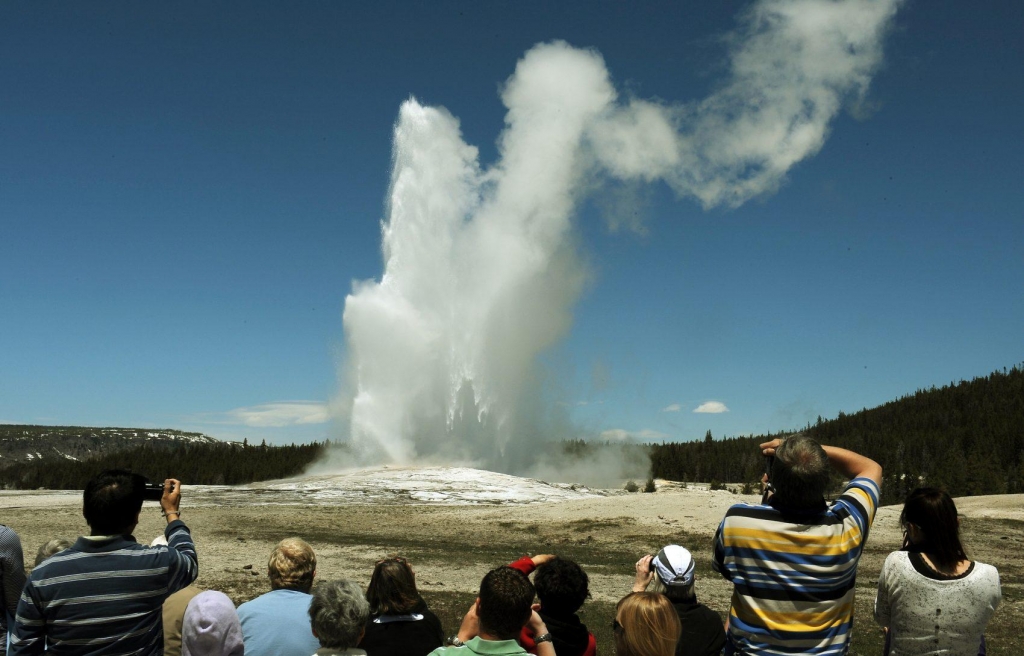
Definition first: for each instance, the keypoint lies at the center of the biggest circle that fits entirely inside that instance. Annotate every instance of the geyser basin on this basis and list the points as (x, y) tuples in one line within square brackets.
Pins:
[(393, 485)]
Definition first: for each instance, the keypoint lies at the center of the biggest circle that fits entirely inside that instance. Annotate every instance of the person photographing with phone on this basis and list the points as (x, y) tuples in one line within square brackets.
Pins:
[(792, 559), (104, 594)]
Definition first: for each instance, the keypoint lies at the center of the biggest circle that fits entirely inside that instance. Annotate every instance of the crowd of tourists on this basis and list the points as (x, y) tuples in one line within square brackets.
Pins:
[(791, 559)]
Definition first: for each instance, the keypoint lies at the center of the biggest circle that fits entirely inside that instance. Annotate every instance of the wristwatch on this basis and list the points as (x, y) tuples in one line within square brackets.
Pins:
[(455, 642), (544, 637)]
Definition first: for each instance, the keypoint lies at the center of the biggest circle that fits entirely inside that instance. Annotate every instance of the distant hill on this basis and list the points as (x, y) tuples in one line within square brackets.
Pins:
[(26, 443), (66, 457), (967, 437)]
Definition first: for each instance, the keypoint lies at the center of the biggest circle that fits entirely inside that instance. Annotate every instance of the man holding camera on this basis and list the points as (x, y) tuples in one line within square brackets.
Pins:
[(793, 559), (103, 595)]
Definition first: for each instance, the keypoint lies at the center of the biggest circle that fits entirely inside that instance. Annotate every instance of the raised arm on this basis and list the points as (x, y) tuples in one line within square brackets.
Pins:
[(539, 629), (184, 564)]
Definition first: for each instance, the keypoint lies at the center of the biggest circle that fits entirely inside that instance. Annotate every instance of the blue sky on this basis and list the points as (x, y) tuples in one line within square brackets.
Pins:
[(187, 194)]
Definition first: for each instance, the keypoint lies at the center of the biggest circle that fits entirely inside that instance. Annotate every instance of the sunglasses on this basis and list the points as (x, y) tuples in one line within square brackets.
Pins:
[(393, 559), (616, 627)]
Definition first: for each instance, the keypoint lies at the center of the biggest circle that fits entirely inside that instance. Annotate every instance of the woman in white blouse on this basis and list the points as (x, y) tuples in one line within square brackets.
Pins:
[(932, 599)]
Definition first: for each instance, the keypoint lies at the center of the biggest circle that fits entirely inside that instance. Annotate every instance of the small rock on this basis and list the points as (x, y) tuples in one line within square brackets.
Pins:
[(246, 566)]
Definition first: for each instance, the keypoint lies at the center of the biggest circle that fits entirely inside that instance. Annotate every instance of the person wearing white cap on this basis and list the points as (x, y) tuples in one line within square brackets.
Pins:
[(671, 573)]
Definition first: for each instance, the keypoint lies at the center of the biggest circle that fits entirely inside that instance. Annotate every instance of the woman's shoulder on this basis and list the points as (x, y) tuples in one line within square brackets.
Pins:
[(897, 559), (984, 570)]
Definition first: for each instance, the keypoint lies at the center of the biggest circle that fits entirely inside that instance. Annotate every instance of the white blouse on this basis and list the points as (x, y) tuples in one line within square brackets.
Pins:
[(928, 613)]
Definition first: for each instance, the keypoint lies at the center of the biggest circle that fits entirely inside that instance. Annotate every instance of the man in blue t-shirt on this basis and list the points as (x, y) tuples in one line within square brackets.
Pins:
[(277, 623)]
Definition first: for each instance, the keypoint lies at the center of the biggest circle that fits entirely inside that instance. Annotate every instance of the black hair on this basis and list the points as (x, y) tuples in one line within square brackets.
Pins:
[(932, 510), (562, 586), (506, 600), (800, 474), (112, 500)]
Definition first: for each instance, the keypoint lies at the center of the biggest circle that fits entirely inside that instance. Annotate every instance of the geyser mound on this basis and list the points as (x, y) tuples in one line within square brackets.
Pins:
[(453, 486)]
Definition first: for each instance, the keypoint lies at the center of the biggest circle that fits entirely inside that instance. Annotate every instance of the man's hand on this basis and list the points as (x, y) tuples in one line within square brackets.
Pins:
[(540, 559), (768, 448), (171, 499), (644, 575), (536, 623), (470, 624)]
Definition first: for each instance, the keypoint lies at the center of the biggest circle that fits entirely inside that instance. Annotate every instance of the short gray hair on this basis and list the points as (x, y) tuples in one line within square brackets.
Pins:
[(338, 613), (801, 473)]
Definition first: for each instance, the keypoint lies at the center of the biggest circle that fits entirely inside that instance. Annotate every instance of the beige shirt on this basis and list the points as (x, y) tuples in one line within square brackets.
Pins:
[(174, 613)]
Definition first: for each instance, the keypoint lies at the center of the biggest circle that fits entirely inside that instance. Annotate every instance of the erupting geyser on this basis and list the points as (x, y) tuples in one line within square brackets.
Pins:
[(480, 273)]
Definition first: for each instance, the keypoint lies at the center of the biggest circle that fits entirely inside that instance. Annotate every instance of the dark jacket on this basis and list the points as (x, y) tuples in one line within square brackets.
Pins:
[(414, 634), (703, 632)]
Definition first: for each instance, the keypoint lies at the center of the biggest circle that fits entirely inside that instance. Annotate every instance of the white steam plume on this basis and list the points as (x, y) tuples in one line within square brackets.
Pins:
[(480, 269)]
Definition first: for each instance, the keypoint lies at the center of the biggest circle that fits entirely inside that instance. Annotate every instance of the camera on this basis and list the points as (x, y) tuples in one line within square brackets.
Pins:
[(769, 488), (153, 491)]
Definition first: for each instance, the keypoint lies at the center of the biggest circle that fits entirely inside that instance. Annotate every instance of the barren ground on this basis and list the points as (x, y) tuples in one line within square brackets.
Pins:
[(452, 546)]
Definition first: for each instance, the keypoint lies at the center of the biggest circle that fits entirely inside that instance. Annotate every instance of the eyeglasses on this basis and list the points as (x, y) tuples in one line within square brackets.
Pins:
[(396, 559)]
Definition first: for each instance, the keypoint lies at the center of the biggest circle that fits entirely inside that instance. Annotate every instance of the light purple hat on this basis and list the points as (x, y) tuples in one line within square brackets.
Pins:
[(211, 627)]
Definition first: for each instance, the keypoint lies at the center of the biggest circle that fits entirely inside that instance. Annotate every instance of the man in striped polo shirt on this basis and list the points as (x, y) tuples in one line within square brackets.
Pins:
[(103, 595), (793, 559)]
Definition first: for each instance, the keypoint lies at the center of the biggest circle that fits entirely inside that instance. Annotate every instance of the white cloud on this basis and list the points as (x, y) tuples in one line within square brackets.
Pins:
[(622, 435), (711, 407), (280, 413), (793, 65), (675, 407)]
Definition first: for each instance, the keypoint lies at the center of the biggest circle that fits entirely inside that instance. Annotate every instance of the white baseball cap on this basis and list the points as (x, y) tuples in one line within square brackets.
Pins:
[(674, 565)]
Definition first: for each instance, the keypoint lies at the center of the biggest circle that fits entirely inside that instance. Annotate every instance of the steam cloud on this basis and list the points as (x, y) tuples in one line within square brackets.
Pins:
[(480, 267)]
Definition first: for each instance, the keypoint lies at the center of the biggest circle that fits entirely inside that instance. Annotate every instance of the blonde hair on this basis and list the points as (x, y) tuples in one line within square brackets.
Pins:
[(292, 565), (649, 625)]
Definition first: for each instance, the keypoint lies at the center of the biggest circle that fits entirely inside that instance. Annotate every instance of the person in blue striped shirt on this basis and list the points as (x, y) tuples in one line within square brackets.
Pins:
[(104, 594), (793, 559)]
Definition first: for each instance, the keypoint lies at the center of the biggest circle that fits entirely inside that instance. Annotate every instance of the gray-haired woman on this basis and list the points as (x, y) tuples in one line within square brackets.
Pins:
[(337, 615)]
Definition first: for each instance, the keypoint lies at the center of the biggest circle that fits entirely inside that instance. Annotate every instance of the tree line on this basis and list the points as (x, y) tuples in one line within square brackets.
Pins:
[(966, 437), (219, 463)]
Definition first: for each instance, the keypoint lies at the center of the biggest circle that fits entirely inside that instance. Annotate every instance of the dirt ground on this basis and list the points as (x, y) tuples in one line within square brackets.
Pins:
[(451, 547)]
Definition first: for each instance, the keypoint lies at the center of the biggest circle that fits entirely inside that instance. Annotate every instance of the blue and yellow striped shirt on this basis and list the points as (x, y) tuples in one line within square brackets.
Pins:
[(794, 573)]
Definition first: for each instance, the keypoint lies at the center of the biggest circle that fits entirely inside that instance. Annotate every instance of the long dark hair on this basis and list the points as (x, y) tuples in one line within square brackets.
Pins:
[(933, 512), (392, 588)]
